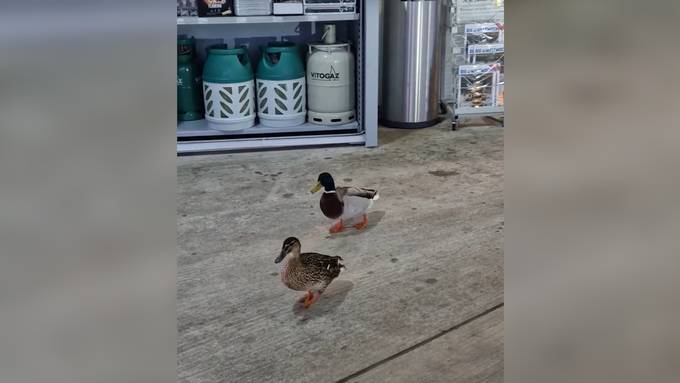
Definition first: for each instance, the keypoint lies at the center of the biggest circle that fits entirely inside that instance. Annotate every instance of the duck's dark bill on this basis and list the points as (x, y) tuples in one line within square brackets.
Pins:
[(280, 257)]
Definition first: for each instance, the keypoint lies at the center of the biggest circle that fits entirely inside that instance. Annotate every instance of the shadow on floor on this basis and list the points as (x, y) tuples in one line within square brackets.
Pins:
[(330, 300), (374, 219), (390, 135)]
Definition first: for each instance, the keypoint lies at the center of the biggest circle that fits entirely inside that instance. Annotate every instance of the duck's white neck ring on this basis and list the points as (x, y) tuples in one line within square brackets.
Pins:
[(329, 191)]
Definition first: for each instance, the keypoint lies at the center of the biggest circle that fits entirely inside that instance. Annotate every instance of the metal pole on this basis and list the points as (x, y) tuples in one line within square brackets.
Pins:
[(371, 26)]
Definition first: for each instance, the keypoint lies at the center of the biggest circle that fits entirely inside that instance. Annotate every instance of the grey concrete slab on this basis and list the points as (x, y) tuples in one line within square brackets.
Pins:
[(430, 258), (471, 353)]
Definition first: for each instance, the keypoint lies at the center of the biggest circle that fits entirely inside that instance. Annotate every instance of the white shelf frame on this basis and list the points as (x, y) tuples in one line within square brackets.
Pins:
[(192, 20), (367, 128), (481, 111)]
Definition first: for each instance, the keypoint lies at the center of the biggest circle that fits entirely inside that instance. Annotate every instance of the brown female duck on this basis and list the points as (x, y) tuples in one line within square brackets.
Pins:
[(307, 271)]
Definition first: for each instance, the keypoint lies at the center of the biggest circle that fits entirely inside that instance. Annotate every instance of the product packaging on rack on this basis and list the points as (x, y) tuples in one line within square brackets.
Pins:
[(485, 53), (484, 33), (215, 8), (477, 85), (187, 8), (288, 7), (471, 11), (252, 7), (329, 6)]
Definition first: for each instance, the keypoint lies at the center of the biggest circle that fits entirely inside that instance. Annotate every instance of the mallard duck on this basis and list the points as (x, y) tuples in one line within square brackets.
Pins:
[(344, 202), (307, 271)]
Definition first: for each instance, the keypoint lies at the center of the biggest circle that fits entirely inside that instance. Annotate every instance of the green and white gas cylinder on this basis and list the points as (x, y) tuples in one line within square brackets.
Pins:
[(229, 88), (330, 81), (281, 97), (189, 101)]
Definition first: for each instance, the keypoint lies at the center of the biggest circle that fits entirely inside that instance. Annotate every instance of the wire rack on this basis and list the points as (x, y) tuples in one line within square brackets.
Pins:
[(478, 57)]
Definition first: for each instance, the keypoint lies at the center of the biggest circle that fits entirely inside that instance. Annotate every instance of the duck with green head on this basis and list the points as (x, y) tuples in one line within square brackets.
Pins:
[(312, 272), (345, 203)]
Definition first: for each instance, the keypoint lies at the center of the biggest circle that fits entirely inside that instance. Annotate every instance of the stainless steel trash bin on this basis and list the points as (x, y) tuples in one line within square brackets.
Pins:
[(413, 38)]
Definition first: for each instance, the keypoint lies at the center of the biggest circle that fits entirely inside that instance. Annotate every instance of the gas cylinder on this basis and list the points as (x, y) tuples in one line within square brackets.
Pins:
[(330, 81), (189, 102), (229, 88), (281, 87)]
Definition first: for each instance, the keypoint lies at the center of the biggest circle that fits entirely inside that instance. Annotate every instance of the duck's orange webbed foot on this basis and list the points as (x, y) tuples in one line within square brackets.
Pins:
[(362, 225), (306, 297), (311, 298), (337, 227)]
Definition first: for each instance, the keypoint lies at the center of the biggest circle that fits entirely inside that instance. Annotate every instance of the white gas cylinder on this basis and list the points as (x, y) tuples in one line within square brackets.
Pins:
[(330, 82)]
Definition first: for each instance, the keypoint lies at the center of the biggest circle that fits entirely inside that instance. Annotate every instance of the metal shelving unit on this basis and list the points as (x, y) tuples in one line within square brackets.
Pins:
[(360, 28), (266, 19), (462, 13)]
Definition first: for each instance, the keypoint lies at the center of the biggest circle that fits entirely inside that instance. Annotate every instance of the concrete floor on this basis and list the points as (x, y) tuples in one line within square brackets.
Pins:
[(422, 297)]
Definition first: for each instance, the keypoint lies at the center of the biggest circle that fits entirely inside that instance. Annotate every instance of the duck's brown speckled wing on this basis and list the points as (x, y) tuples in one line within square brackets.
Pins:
[(354, 191), (322, 267)]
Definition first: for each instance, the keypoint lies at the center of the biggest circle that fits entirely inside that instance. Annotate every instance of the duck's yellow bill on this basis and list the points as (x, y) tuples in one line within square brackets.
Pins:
[(316, 187)]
